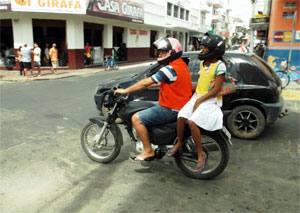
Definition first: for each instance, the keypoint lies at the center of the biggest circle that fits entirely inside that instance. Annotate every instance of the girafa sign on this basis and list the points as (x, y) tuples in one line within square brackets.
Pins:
[(55, 6)]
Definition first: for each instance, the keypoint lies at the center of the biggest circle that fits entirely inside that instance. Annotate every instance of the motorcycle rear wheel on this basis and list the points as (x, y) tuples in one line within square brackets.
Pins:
[(217, 153), (108, 148)]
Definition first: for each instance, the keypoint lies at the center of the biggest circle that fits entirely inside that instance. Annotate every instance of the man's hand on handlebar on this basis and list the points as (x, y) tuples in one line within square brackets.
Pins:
[(120, 91)]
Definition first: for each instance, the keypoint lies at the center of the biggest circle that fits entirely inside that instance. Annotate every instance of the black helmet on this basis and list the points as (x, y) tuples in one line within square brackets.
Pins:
[(171, 45), (215, 45)]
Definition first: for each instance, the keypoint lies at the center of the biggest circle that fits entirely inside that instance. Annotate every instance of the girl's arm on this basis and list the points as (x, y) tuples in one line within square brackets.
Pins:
[(212, 93)]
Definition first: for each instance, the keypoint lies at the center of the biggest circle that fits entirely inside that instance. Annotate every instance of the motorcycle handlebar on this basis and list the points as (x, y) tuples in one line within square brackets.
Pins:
[(119, 97)]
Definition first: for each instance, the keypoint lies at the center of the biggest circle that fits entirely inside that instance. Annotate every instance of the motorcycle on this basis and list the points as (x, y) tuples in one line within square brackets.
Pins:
[(101, 138)]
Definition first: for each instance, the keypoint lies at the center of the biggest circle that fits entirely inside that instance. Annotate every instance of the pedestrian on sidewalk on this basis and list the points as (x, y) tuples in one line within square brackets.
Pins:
[(19, 60), (26, 59), (53, 57), (37, 58)]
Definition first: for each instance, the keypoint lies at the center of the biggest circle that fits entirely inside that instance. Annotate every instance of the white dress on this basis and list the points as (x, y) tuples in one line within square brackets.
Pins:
[(208, 115)]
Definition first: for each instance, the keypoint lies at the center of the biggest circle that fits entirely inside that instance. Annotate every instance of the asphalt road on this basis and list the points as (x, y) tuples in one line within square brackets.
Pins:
[(43, 168)]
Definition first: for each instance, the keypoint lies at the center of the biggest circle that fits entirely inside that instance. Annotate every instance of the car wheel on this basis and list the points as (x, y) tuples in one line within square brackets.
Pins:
[(246, 122)]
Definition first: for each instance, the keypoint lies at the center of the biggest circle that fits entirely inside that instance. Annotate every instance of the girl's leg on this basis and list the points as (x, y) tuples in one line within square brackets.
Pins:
[(180, 134), (196, 135)]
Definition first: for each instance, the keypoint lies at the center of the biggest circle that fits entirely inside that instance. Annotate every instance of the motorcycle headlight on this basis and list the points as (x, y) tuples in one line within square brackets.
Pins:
[(108, 101)]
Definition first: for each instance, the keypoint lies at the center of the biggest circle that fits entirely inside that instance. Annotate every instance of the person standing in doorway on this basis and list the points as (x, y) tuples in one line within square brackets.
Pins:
[(46, 57), (37, 58), (19, 60), (26, 59), (53, 57), (88, 53)]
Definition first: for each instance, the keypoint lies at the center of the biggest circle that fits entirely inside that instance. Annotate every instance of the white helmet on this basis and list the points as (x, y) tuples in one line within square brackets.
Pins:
[(171, 45)]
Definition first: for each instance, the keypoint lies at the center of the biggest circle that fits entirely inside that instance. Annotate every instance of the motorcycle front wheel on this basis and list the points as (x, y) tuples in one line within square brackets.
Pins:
[(103, 151), (217, 153)]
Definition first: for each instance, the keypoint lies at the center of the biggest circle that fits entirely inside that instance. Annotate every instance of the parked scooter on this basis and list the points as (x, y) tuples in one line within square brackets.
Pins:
[(101, 138)]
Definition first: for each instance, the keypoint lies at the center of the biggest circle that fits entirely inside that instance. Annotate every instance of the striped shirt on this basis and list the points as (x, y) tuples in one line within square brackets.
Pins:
[(166, 74)]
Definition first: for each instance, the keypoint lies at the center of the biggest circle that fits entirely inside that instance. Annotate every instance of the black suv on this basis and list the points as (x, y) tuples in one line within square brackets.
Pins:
[(256, 102)]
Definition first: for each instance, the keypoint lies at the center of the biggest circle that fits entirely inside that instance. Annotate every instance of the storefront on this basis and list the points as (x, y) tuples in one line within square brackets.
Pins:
[(38, 21), (284, 34), (126, 37), (45, 33), (87, 31)]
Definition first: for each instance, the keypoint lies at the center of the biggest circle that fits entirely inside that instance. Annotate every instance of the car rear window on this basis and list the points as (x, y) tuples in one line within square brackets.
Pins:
[(194, 66), (263, 67), (249, 73)]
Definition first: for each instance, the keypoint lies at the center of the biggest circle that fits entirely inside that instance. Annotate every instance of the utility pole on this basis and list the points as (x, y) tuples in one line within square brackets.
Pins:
[(292, 39), (253, 2)]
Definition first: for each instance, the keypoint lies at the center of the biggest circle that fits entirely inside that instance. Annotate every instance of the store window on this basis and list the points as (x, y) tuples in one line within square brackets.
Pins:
[(290, 5), (182, 13), (180, 37), (168, 33), (169, 12), (203, 18), (187, 14), (47, 32), (93, 48), (288, 15), (176, 11), (7, 44), (215, 11)]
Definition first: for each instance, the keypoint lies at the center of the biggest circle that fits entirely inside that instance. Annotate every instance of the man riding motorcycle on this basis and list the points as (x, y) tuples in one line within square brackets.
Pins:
[(175, 91)]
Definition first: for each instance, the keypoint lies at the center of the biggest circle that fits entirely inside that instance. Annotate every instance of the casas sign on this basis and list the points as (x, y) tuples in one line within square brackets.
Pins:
[(119, 9)]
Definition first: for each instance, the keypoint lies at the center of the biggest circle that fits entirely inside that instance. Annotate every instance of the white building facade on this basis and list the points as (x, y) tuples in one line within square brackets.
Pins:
[(124, 28)]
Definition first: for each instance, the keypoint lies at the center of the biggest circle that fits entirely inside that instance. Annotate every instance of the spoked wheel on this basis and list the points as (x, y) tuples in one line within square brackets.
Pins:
[(284, 77), (104, 150), (217, 153)]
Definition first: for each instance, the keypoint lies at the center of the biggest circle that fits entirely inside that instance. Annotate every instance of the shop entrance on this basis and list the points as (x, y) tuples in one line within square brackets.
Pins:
[(45, 33), (153, 37), (119, 47), (7, 43), (93, 37)]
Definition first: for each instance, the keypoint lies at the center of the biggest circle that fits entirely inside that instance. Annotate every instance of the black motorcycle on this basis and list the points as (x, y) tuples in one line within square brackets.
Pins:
[(101, 138)]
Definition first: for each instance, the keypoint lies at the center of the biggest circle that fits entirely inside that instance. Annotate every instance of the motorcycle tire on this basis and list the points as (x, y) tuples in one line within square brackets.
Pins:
[(92, 152), (210, 143)]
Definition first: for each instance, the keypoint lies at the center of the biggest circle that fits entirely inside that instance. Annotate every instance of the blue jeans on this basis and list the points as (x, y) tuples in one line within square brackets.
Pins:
[(157, 115)]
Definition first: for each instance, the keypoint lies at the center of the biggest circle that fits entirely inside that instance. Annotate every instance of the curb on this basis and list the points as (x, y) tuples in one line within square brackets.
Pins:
[(50, 76)]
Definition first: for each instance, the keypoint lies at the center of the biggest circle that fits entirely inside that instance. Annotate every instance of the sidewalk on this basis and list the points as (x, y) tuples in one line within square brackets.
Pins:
[(14, 76)]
